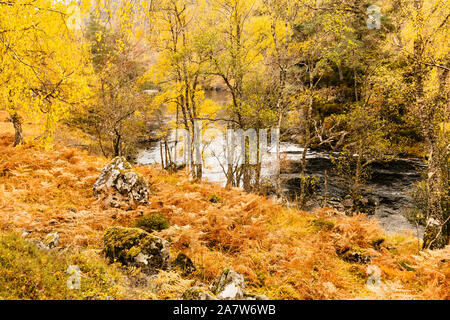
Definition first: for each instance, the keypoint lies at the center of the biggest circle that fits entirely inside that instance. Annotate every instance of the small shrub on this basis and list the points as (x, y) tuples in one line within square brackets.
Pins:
[(154, 222)]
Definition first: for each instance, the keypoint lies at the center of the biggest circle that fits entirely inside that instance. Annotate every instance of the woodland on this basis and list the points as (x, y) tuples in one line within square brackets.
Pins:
[(83, 83)]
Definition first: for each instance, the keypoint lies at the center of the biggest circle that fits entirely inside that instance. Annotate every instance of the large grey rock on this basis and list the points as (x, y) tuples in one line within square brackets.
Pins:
[(230, 286), (118, 177), (136, 247)]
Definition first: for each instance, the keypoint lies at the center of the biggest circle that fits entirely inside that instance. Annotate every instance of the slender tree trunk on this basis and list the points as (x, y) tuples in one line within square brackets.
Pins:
[(325, 197), (303, 181), (278, 168), (161, 154), (355, 84), (116, 143), (341, 75), (358, 173), (18, 134)]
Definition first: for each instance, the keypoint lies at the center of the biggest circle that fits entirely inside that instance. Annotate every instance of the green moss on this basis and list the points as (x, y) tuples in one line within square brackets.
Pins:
[(123, 171), (141, 179), (322, 224), (359, 271), (261, 276), (126, 164), (184, 263), (195, 294), (215, 199), (154, 222), (285, 292), (192, 294)]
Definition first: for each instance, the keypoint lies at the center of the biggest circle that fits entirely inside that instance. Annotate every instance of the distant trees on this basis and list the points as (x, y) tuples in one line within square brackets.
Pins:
[(179, 34), (422, 43), (115, 112)]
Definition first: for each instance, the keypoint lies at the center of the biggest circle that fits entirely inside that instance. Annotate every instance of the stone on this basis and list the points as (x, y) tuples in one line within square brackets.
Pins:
[(196, 293), (185, 264), (25, 234), (136, 247), (118, 182), (356, 257), (230, 286), (250, 296), (52, 240), (40, 245)]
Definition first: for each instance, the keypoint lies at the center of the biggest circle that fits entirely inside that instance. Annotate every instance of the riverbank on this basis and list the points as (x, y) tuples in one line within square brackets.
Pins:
[(390, 184)]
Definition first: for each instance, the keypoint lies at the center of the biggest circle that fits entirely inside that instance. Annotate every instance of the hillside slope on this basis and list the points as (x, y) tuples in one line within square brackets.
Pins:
[(283, 253)]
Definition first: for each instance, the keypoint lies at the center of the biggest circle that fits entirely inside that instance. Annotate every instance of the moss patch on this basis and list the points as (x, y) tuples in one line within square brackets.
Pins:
[(154, 222)]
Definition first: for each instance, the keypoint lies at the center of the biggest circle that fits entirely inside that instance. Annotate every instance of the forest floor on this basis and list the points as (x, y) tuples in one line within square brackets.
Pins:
[(282, 252)]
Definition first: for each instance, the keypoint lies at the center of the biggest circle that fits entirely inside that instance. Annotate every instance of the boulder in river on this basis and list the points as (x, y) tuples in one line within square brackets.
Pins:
[(118, 182)]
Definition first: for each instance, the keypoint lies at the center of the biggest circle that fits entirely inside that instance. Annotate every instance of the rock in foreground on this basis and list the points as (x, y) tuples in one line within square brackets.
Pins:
[(118, 182), (135, 247), (229, 286)]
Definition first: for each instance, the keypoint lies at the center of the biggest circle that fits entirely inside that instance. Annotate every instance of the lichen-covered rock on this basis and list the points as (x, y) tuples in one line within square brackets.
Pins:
[(230, 286), (52, 240), (184, 263), (196, 293), (357, 257), (136, 247), (117, 181)]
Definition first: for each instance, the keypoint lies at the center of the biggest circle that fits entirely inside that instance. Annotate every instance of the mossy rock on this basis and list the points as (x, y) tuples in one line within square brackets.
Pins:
[(183, 263), (153, 222), (196, 293), (136, 247), (323, 224), (215, 199), (355, 255), (377, 243)]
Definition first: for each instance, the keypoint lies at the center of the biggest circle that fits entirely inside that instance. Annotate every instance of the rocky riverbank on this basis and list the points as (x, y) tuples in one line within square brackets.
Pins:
[(387, 191)]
